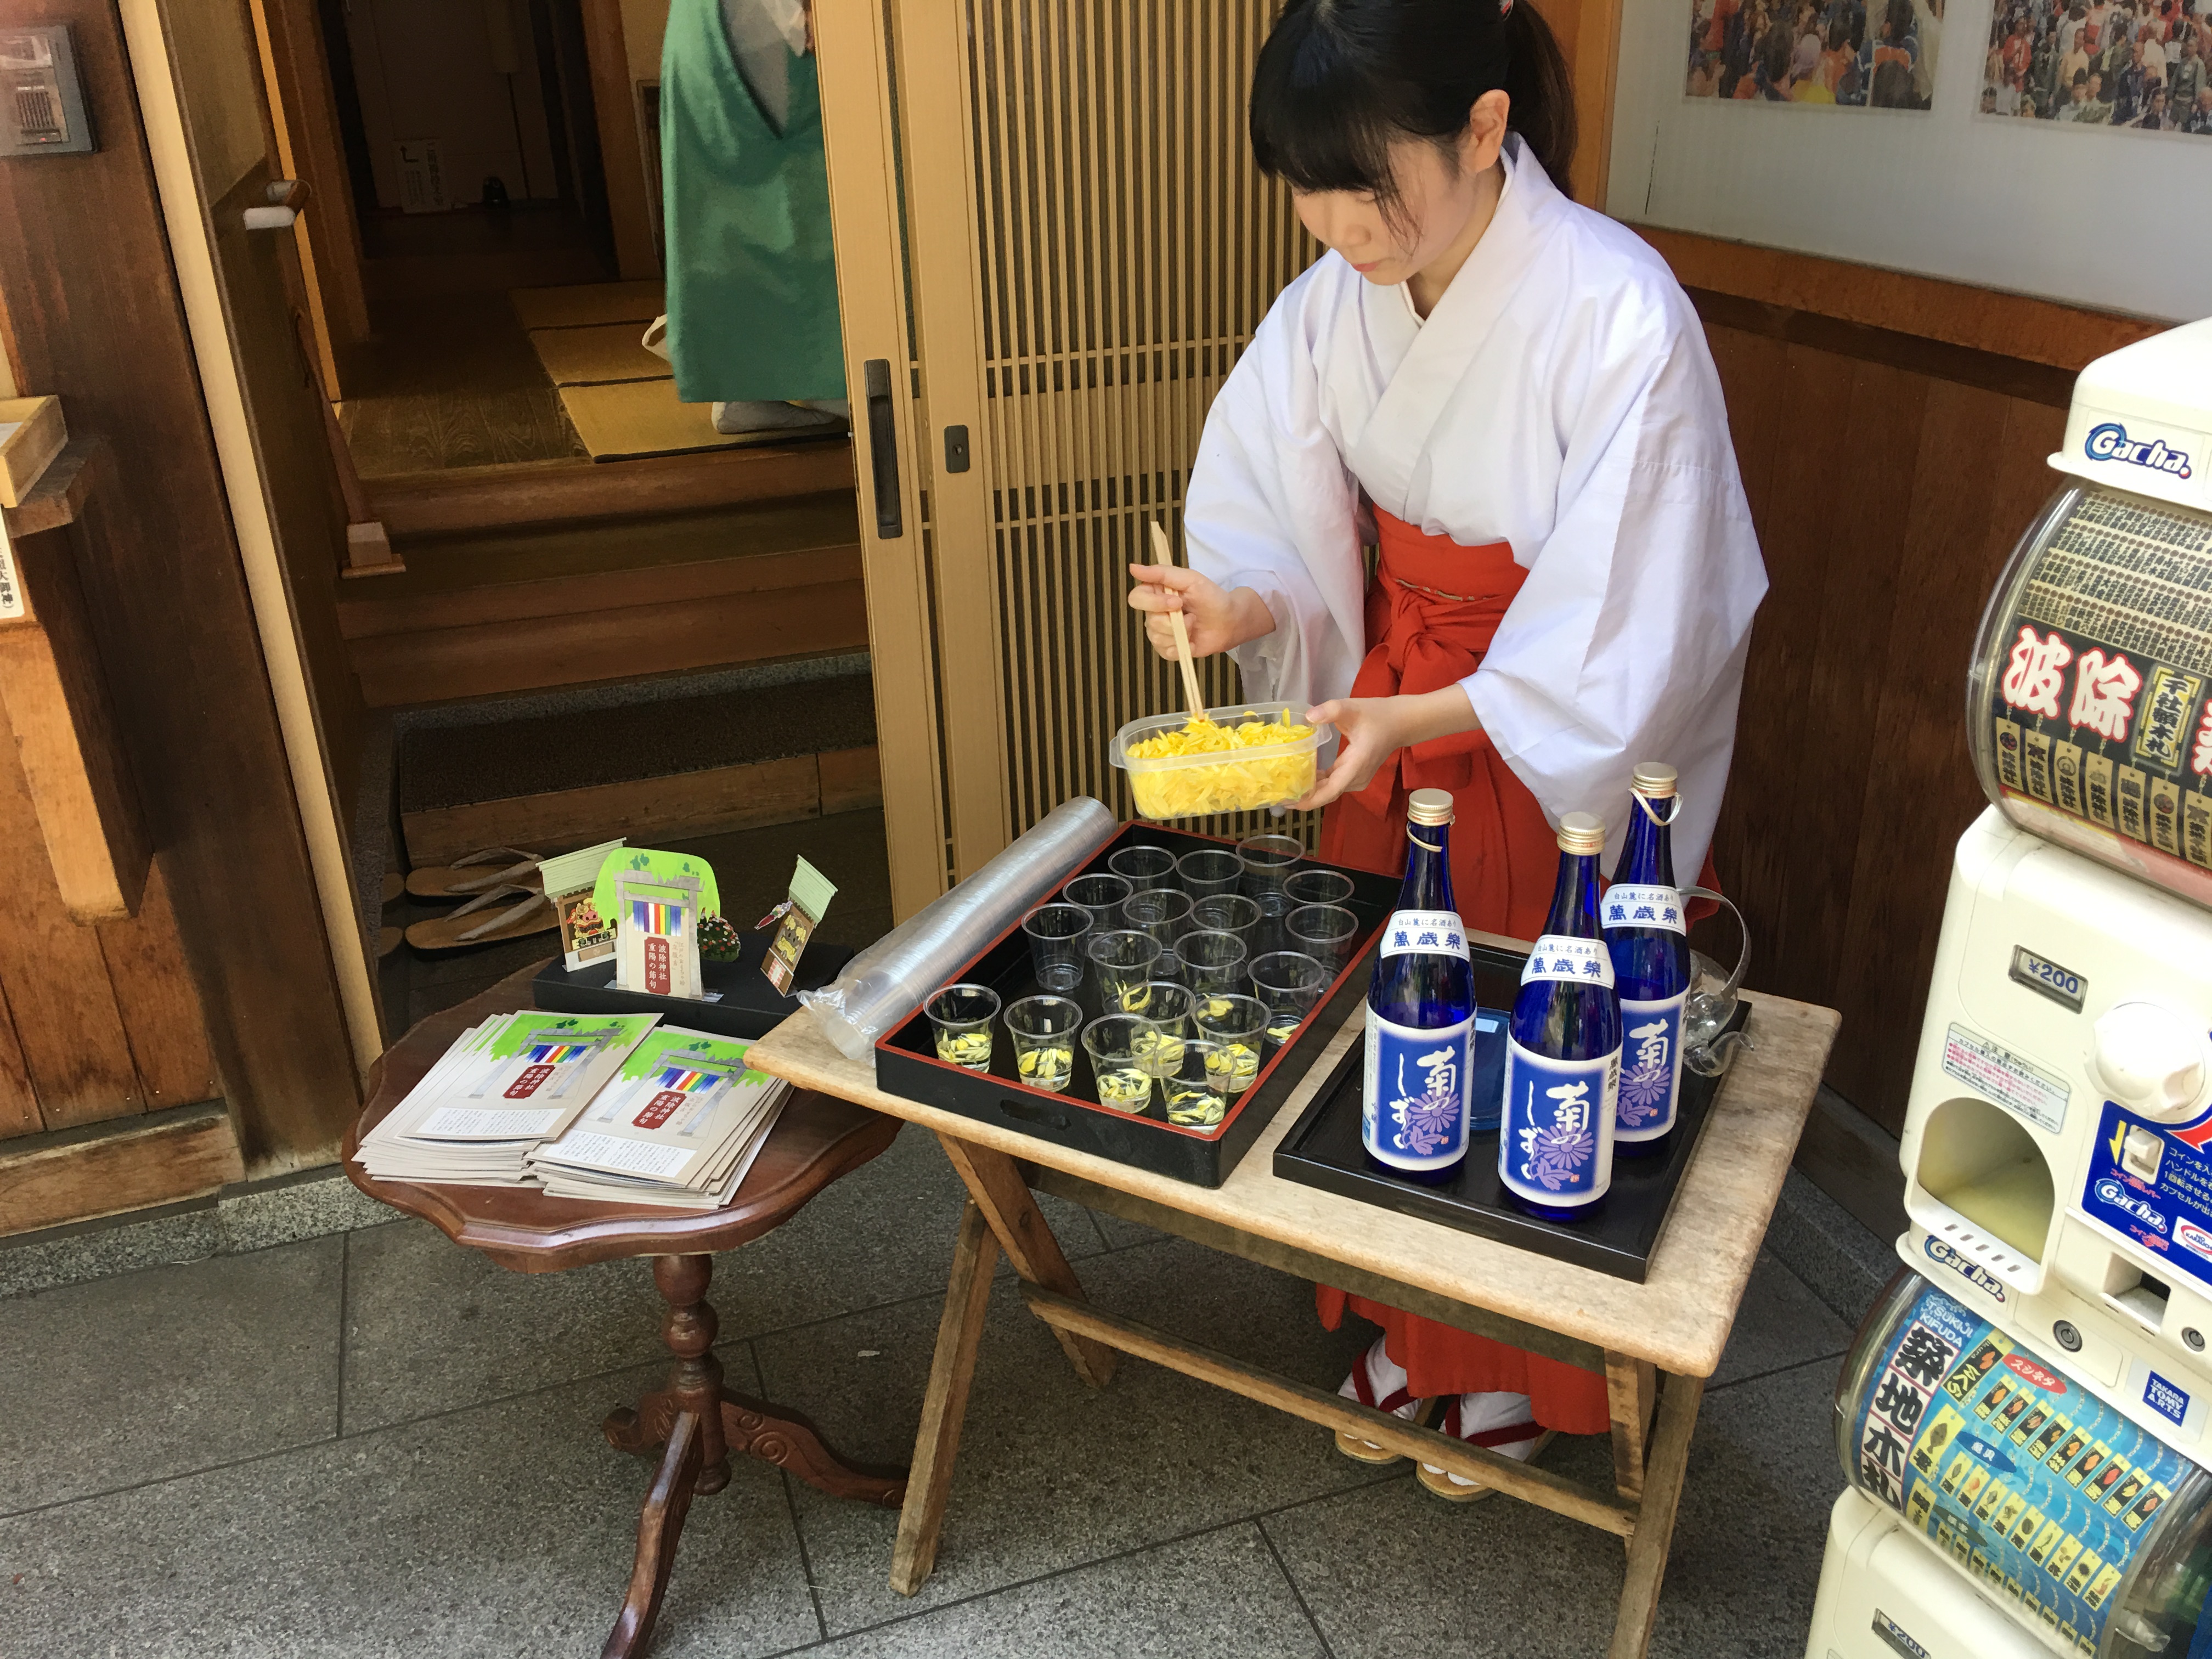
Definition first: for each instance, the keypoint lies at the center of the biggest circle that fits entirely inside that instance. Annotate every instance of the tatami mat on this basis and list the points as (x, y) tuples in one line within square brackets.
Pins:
[(587, 303), (632, 418), (597, 354)]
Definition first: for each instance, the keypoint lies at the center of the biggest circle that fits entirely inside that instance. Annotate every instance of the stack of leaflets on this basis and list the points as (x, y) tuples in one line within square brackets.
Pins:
[(680, 1125), (505, 1086)]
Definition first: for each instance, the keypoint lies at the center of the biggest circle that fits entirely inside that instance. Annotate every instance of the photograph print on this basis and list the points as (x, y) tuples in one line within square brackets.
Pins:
[(1850, 54), (2139, 63)]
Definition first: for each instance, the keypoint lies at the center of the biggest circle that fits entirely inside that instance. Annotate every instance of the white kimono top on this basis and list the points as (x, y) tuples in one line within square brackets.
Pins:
[(1559, 398)]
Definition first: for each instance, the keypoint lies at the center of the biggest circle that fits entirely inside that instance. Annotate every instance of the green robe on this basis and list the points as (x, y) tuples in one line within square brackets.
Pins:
[(752, 286)]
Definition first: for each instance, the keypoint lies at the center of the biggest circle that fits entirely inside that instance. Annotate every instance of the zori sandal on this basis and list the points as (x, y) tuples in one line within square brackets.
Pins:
[(465, 877), (1495, 1422), (526, 911), (1377, 1382)]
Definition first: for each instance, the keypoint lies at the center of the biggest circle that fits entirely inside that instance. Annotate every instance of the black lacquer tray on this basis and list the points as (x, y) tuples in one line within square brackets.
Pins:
[(749, 1006), (1323, 1150), (907, 1063)]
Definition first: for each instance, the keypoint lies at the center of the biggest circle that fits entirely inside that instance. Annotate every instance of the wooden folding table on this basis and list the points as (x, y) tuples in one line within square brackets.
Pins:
[(1654, 1343)]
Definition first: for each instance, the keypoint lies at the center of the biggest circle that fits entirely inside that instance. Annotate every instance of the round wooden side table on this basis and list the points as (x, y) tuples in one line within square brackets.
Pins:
[(695, 1422)]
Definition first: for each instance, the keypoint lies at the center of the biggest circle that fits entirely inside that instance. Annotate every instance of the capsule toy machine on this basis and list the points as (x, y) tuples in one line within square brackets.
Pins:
[(2057, 1145)]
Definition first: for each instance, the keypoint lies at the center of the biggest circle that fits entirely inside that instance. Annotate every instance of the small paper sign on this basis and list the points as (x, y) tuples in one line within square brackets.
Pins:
[(802, 913)]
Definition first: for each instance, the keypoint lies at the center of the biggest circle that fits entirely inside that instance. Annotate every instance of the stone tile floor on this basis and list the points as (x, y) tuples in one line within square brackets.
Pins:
[(375, 1443)]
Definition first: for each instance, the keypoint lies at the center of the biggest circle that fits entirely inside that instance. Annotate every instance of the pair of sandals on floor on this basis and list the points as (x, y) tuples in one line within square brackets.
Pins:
[(1501, 1422), (504, 898)]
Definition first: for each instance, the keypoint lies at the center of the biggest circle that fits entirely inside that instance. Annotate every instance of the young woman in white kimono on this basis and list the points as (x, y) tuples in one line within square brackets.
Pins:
[(1510, 396)]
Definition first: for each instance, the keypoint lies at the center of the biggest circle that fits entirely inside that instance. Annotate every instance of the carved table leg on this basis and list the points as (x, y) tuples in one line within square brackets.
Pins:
[(700, 1422)]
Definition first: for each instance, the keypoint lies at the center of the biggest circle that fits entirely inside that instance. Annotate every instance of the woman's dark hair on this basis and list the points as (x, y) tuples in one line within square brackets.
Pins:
[(1338, 81)]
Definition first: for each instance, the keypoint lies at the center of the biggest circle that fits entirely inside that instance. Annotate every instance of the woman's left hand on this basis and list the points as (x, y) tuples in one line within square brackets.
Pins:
[(1369, 730)]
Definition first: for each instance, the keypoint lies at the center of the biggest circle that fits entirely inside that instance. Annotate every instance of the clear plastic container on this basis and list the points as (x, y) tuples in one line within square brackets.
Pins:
[(1219, 781), (2085, 699), (2005, 1467)]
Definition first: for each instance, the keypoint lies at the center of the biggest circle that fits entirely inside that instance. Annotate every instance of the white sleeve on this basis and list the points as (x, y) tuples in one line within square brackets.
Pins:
[(1271, 507), (1626, 642)]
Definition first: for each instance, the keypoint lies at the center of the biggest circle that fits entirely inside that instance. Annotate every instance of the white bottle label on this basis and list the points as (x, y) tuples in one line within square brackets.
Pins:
[(1641, 907), (1650, 1065), (1414, 1095), (1555, 1143), (1430, 932), (1571, 960)]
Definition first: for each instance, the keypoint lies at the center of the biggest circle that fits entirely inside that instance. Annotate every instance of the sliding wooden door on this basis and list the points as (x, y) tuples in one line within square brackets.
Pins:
[(1051, 235)]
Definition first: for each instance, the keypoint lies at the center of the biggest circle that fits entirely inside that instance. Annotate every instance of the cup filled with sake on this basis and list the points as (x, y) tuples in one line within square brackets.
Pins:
[(961, 1017), (1120, 1047), (1045, 1032)]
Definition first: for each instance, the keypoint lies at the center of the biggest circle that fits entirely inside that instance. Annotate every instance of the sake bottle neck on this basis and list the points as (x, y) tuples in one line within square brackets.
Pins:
[(1646, 856), (1428, 884), (1574, 900)]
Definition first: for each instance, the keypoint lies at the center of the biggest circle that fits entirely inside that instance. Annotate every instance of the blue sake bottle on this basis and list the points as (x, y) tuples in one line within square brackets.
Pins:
[(1642, 915), (1421, 1013), (1563, 1059)]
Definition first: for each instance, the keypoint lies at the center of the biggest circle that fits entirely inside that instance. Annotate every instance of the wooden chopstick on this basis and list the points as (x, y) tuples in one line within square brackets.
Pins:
[(1163, 555)]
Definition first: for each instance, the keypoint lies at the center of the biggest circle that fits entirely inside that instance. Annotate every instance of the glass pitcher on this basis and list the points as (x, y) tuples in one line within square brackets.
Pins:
[(1709, 1048)]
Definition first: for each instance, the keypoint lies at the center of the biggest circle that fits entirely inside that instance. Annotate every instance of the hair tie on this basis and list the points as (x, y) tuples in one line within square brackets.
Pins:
[(1505, 10)]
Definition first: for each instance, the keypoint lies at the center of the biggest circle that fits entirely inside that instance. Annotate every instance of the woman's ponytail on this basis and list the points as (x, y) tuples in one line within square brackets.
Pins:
[(1541, 91)]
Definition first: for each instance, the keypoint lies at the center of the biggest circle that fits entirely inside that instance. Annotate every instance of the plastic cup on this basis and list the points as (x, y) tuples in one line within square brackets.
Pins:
[(1195, 1093), (962, 1015), (1325, 932), (1045, 1032), (1238, 1024), (1226, 913), (1209, 869), (1122, 1080), (1121, 963), (1161, 912), (1056, 933), (1287, 984), (1144, 867), (1317, 887), (1103, 895), (1166, 1008), (1267, 862), (1212, 962)]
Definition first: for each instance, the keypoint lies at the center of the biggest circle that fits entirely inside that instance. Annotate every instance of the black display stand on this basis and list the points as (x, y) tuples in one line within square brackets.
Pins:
[(1323, 1150), (748, 1008)]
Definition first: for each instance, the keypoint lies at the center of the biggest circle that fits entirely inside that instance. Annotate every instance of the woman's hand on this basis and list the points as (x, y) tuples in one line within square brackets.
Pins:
[(1368, 732), (1216, 619), (1371, 731)]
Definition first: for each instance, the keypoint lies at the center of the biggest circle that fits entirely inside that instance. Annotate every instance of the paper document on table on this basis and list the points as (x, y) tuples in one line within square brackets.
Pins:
[(502, 1087), (682, 1111)]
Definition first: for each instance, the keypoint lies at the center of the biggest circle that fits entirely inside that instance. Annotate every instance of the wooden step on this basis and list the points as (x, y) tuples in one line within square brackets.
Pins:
[(672, 770), (465, 498), (525, 609), (648, 813)]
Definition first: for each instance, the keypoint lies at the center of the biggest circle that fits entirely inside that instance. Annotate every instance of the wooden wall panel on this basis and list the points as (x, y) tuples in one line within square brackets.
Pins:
[(160, 1006), (94, 315), (1886, 500)]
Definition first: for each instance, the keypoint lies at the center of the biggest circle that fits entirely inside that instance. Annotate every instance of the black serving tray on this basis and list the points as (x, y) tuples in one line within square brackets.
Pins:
[(907, 1063), (748, 1006), (1323, 1150)]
